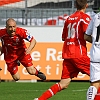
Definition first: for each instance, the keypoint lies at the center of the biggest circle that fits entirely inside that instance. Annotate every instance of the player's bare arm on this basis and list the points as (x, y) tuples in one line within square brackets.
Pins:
[(88, 38), (31, 46)]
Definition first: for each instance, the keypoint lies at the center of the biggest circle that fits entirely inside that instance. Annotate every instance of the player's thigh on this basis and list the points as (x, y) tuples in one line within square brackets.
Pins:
[(26, 60), (69, 70), (27, 63), (16, 76), (12, 67), (94, 72)]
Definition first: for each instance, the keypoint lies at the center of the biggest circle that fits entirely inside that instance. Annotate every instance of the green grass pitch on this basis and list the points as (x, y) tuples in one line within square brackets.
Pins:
[(28, 91)]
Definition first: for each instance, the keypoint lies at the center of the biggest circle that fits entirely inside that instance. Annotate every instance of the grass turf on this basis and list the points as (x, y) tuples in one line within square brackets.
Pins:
[(28, 91)]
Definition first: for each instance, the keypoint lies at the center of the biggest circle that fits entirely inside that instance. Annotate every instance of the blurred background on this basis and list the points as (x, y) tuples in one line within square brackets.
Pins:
[(37, 12), (44, 19)]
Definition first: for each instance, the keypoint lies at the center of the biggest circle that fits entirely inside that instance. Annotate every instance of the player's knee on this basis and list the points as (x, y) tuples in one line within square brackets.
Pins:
[(31, 72), (16, 77)]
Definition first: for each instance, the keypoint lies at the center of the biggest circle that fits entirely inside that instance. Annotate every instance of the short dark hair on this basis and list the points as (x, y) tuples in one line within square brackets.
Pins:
[(96, 5), (80, 4)]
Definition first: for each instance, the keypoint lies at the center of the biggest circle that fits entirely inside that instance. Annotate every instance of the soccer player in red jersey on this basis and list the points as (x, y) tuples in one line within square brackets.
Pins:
[(74, 50), (14, 49)]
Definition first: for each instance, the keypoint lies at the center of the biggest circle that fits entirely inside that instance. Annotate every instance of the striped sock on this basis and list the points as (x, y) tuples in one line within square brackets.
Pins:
[(50, 92)]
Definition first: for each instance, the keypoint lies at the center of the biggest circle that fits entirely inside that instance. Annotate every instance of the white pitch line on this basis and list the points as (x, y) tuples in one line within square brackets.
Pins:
[(79, 90), (45, 90), (27, 90)]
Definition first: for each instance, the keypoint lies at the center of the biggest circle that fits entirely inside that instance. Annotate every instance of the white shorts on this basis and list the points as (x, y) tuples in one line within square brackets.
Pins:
[(94, 71)]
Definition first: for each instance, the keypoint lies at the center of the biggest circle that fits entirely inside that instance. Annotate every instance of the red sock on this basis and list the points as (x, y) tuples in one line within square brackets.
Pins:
[(97, 97), (50, 92), (99, 90)]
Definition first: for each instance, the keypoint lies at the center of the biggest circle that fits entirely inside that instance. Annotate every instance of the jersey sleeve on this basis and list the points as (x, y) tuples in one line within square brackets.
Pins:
[(26, 35), (86, 21), (90, 28)]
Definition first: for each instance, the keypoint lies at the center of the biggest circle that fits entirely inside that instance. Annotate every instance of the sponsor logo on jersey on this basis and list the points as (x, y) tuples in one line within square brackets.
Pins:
[(88, 19)]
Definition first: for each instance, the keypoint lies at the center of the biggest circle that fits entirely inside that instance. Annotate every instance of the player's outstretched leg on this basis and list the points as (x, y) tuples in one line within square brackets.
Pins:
[(33, 71), (50, 92), (40, 75)]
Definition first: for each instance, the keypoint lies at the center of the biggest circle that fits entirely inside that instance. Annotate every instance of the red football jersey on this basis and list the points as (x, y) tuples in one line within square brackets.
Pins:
[(14, 46), (73, 34)]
